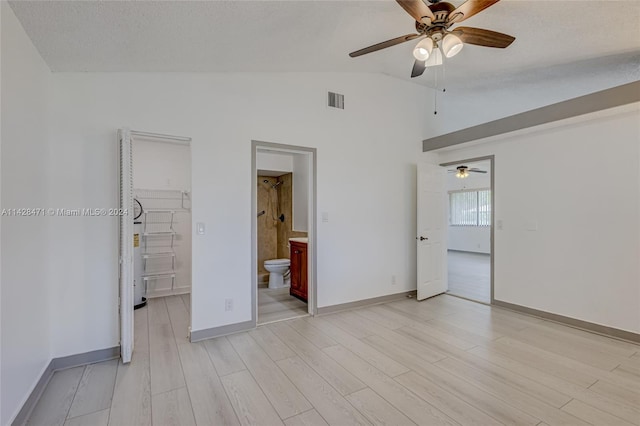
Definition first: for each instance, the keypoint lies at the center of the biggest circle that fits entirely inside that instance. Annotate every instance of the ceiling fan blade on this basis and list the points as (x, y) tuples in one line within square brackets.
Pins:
[(482, 37), (384, 45), (469, 8), (476, 171), (418, 68), (417, 9)]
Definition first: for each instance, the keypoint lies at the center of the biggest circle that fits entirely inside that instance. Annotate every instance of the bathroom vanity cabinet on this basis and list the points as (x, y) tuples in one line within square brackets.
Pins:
[(298, 270)]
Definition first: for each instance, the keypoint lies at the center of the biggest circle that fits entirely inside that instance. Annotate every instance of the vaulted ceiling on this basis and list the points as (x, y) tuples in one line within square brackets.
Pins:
[(301, 36)]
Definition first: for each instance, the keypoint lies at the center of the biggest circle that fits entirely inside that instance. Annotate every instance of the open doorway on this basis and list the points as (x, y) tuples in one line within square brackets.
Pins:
[(283, 232), (162, 200), (155, 240), (469, 185)]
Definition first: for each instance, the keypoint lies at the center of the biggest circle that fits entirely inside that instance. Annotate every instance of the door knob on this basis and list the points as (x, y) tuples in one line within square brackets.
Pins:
[(421, 238)]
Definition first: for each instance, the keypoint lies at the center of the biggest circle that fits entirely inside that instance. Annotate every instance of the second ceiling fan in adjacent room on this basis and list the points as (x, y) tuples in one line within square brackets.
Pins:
[(463, 171), (434, 23)]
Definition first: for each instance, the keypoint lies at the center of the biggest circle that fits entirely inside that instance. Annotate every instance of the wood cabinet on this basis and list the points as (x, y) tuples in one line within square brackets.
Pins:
[(298, 255)]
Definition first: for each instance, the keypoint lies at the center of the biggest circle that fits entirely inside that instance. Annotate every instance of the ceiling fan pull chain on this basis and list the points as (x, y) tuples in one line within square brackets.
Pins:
[(444, 77), (435, 93)]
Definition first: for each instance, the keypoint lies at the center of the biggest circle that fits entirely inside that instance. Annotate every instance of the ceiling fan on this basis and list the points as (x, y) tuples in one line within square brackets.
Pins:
[(463, 171), (434, 22)]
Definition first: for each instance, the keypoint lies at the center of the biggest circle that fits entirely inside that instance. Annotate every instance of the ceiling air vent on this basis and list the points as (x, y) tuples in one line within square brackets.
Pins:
[(336, 100)]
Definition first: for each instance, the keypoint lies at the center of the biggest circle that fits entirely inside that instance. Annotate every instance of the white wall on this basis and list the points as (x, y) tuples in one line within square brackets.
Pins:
[(25, 290), (568, 195), (366, 182), (473, 181), (475, 239), (160, 165), (504, 94), (272, 161), (302, 178)]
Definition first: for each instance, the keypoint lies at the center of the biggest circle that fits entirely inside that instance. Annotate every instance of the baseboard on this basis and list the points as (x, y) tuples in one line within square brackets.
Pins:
[(164, 293), (470, 251), (33, 398), (56, 364), (366, 302), (263, 280), (92, 357), (210, 333), (467, 298), (572, 322)]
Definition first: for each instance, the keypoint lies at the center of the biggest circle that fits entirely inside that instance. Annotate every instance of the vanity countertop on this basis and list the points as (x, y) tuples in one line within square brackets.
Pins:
[(299, 240)]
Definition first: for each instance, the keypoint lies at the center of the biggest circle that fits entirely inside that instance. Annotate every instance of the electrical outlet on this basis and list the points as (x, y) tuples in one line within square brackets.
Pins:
[(393, 280), (228, 304)]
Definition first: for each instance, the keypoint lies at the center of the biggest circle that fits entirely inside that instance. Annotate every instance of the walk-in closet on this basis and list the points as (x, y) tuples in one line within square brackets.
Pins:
[(162, 217)]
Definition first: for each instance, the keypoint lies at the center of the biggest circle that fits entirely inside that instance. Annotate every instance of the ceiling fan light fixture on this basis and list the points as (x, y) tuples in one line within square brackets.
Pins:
[(451, 45), (432, 23), (461, 174), (423, 49), (434, 59)]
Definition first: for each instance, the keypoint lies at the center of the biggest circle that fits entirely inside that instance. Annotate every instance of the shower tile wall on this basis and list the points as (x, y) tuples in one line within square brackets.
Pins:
[(273, 235), (267, 224), (285, 203)]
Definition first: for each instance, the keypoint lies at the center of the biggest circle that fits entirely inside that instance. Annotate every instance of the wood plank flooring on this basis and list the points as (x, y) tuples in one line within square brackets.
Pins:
[(470, 275), (277, 305), (443, 361)]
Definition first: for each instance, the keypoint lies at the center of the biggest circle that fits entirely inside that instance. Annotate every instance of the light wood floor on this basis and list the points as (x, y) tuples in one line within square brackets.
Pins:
[(443, 361), (277, 305), (470, 275)]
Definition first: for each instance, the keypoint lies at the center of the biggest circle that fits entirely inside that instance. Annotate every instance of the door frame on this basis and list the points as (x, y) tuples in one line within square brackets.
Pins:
[(125, 245), (491, 159), (312, 245), (125, 298)]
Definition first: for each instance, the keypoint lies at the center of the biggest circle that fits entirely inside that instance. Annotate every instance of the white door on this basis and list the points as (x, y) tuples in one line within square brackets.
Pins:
[(126, 244), (432, 231)]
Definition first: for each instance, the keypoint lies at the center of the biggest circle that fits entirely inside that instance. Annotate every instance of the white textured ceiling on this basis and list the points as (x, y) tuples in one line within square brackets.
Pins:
[(301, 36)]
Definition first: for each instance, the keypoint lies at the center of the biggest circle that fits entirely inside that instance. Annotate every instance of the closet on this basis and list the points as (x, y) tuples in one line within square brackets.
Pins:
[(162, 218)]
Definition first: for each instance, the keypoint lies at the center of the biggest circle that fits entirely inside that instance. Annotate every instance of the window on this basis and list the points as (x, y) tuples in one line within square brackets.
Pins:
[(470, 208)]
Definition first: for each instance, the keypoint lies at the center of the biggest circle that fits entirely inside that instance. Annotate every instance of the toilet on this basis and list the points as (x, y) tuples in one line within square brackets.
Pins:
[(277, 269)]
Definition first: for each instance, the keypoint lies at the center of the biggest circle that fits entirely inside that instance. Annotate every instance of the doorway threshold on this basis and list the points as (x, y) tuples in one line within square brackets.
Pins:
[(283, 319), (470, 300)]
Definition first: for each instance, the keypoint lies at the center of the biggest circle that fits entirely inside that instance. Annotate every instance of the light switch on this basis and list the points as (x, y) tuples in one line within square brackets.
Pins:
[(532, 225), (200, 230), (325, 216), (499, 224)]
